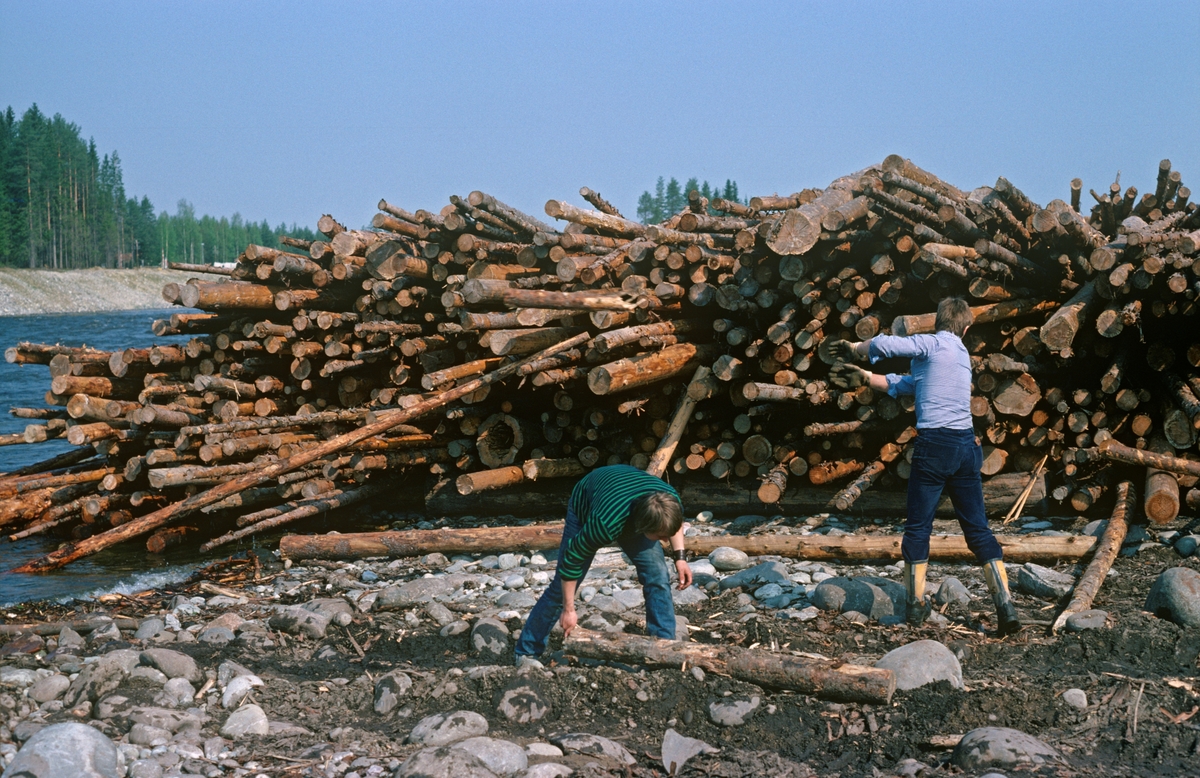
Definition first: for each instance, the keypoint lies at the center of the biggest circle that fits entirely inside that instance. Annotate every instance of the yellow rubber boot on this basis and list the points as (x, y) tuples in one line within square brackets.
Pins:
[(916, 607), (1007, 622)]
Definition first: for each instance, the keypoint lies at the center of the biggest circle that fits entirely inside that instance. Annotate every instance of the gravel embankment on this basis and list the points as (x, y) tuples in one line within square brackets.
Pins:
[(29, 292)]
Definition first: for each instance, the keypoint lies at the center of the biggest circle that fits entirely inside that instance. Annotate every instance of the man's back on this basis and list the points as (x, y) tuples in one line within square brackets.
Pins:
[(940, 377)]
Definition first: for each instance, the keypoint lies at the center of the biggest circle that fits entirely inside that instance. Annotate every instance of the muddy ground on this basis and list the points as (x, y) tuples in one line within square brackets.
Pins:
[(1140, 677)]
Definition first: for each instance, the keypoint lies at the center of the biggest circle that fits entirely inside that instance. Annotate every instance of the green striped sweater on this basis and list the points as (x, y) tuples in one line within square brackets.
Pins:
[(601, 502)]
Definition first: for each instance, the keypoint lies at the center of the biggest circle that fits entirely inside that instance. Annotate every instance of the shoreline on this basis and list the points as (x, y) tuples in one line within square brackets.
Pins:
[(373, 664), (25, 292)]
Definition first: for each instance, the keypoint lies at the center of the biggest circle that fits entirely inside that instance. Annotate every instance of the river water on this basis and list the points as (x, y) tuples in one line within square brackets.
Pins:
[(125, 568)]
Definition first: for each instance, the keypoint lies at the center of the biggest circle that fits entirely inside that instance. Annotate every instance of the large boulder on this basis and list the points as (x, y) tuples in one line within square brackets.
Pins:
[(852, 594), (69, 750), (1175, 595), (1002, 747), (522, 702), (922, 662), (1043, 582), (489, 639), (101, 677)]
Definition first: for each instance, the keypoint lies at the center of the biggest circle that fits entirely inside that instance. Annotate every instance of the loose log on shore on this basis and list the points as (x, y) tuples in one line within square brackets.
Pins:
[(823, 678), (1093, 577)]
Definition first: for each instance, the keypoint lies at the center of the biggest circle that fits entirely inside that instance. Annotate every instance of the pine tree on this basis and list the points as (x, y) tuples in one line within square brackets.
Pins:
[(675, 199)]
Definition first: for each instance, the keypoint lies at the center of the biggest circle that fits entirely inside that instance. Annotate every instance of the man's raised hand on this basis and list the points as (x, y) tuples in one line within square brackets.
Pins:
[(847, 376), (843, 350)]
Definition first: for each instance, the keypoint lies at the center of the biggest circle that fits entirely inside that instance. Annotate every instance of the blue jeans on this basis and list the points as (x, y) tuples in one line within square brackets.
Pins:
[(646, 555), (947, 459)]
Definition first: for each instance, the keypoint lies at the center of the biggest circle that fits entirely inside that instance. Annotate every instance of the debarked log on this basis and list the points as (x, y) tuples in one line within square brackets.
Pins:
[(827, 679)]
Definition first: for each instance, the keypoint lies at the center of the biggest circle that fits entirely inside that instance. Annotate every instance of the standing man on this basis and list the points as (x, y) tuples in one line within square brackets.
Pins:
[(945, 456), (637, 511)]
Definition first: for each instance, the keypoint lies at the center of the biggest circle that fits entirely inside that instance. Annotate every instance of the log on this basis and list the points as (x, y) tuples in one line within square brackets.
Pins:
[(1060, 329), (535, 469), (408, 543), (670, 439), (594, 219), (1119, 452), (1088, 585), (1001, 311), (826, 679), (496, 478), (798, 229), (216, 296), (300, 510), (152, 521), (1162, 487), (643, 369)]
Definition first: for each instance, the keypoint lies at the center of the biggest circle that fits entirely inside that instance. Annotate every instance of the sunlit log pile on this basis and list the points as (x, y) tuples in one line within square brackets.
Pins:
[(1085, 353)]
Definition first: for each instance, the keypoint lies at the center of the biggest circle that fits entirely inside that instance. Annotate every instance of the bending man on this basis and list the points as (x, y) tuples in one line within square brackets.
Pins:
[(945, 456), (615, 504)]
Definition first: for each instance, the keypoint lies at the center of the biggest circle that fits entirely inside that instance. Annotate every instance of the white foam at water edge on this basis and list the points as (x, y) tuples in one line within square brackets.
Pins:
[(138, 582)]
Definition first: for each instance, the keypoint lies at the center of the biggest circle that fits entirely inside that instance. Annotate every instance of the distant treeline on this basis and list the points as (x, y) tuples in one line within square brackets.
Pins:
[(670, 198), (63, 205)]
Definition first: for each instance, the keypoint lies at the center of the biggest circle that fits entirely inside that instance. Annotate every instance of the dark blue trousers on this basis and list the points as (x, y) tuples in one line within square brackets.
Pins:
[(949, 460)]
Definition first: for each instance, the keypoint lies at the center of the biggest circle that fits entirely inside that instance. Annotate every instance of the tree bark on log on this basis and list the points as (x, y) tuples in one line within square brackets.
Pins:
[(1093, 577), (1119, 452), (826, 679), (670, 439), (644, 369), (1060, 329)]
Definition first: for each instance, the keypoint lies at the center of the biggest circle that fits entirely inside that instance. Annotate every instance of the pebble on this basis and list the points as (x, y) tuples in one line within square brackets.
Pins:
[(501, 756), (732, 711), (173, 664), (1085, 620), (1076, 698), (726, 559), (593, 745), (442, 729), (921, 663), (1175, 595), (1186, 545), (952, 591), (246, 721), (443, 763), (489, 638), (1043, 582), (677, 749), (237, 689), (1002, 747)]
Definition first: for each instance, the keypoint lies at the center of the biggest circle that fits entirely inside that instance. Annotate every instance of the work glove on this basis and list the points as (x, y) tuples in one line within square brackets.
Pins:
[(847, 376), (843, 351)]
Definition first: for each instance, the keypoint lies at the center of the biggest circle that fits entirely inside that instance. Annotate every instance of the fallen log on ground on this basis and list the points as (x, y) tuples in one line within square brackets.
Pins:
[(826, 679), (943, 548), (1093, 577)]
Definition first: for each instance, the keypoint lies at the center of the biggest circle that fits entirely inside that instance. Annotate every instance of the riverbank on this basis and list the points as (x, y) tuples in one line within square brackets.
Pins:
[(26, 292), (365, 668)]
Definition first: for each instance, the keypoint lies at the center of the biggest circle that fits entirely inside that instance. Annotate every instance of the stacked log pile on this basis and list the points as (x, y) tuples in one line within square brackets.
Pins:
[(1082, 350)]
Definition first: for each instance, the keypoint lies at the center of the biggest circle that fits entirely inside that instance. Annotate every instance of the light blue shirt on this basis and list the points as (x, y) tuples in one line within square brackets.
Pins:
[(940, 377)]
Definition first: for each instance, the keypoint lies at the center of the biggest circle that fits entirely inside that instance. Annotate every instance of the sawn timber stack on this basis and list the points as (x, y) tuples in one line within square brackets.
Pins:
[(1083, 354)]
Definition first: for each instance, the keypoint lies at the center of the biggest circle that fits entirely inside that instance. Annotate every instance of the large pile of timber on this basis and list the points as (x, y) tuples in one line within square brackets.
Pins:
[(318, 372)]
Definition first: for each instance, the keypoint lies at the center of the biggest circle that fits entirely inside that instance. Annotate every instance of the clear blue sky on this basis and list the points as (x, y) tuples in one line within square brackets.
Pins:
[(289, 110)]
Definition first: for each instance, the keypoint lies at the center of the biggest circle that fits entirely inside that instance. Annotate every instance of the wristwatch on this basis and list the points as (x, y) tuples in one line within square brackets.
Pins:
[(679, 554)]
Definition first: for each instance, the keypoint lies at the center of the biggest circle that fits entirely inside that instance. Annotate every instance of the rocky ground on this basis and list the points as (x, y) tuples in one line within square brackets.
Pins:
[(403, 667), (28, 292)]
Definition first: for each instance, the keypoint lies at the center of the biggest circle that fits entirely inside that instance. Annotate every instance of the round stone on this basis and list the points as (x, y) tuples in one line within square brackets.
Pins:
[(728, 559), (1076, 698), (922, 662)]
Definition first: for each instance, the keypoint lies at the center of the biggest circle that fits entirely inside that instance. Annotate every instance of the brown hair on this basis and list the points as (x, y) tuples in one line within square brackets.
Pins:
[(658, 513), (953, 315)]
